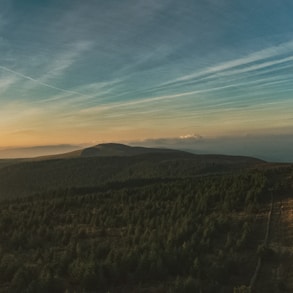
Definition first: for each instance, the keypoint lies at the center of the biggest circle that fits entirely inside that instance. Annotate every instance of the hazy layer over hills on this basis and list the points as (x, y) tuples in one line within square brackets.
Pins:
[(272, 149), (36, 151)]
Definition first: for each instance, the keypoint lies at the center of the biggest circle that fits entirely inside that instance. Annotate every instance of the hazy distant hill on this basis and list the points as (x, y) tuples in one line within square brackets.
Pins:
[(36, 151), (111, 150)]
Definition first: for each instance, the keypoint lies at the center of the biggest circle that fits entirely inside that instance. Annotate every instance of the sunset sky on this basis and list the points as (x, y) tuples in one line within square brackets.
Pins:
[(86, 72)]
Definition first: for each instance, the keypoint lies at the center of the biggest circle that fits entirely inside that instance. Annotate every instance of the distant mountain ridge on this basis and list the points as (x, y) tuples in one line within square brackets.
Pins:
[(113, 150), (109, 163), (116, 149)]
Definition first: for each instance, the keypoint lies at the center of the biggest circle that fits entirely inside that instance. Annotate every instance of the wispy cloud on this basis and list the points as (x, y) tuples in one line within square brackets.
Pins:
[(6, 82), (82, 96), (64, 60), (255, 71), (222, 68), (161, 66), (138, 102)]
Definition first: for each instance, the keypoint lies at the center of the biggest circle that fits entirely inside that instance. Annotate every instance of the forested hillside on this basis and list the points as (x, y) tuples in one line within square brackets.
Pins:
[(150, 223), (34, 176), (180, 236)]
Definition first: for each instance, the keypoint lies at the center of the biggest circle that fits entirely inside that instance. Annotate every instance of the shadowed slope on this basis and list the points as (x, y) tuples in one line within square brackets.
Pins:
[(109, 163)]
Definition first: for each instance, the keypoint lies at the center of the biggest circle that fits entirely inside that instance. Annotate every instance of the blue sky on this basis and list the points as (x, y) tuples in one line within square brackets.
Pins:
[(84, 72)]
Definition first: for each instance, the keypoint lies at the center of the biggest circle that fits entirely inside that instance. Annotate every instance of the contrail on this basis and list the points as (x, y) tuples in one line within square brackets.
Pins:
[(40, 82)]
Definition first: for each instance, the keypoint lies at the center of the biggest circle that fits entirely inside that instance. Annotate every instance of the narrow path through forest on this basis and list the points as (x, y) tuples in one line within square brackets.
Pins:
[(276, 273)]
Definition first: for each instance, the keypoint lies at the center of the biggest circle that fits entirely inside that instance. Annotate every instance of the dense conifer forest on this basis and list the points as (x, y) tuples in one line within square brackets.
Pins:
[(142, 233)]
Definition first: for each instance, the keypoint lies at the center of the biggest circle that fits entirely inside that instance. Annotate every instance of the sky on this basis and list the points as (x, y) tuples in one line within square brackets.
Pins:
[(155, 72)]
